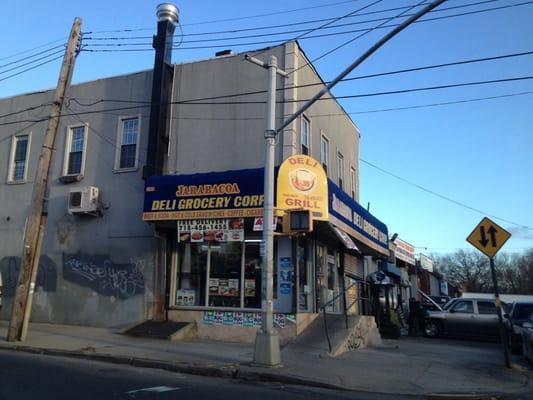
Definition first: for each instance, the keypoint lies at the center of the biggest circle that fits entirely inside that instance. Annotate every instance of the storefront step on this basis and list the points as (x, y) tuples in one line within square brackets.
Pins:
[(169, 330), (361, 332)]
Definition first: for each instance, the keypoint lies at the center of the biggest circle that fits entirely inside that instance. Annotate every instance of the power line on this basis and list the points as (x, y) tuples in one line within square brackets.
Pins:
[(232, 19), (289, 101), (445, 103), (353, 39), (387, 73), (33, 48), (372, 94), (325, 25), (418, 106), (288, 39), (192, 102), (110, 111), (25, 110), (31, 68), (31, 56), (31, 62), (432, 192), (307, 22)]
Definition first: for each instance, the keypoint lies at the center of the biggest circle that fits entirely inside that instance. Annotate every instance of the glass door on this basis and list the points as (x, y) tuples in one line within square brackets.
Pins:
[(225, 274), (303, 267)]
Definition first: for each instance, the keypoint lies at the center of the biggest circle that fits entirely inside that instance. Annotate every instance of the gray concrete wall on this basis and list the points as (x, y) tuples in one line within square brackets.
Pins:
[(207, 137), (94, 270)]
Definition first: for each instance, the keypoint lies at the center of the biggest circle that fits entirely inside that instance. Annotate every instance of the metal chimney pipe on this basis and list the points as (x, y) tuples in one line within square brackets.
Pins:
[(167, 12), (168, 17)]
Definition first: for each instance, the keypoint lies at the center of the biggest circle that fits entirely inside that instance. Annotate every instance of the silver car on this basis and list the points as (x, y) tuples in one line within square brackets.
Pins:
[(527, 339), (464, 318)]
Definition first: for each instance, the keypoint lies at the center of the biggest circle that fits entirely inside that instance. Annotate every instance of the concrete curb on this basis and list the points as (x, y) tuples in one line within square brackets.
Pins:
[(235, 371), (231, 371)]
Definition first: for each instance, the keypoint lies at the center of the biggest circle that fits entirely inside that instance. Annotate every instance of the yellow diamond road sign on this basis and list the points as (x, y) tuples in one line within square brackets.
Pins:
[(488, 237)]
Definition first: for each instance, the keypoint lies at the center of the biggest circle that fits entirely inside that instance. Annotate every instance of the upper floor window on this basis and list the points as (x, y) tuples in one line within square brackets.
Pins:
[(353, 182), (340, 169), (18, 164), (127, 143), (304, 135), (75, 150), (324, 153)]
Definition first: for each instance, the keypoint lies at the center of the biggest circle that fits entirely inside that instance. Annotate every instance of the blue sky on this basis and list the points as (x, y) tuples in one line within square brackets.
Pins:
[(478, 153)]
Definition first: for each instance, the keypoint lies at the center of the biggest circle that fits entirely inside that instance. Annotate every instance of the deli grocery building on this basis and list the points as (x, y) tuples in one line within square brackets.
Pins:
[(193, 253), (213, 225)]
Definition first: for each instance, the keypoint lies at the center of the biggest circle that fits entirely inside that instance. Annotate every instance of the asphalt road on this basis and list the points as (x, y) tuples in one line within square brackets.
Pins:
[(30, 376)]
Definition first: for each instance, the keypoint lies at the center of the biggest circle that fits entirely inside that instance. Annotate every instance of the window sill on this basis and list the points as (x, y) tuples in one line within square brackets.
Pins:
[(70, 178), (125, 170), (16, 182)]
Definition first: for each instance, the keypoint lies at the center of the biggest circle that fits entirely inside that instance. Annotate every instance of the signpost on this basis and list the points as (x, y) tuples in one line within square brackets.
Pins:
[(488, 237)]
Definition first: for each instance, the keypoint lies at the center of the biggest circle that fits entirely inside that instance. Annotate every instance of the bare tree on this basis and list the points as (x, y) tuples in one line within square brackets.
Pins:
[(470, 271)]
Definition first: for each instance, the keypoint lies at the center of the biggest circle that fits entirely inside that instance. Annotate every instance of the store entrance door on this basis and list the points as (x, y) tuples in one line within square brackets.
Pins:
[(304, 275)]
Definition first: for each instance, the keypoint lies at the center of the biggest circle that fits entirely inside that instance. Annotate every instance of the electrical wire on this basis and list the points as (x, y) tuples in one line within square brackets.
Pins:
[(33, 48), (379, 74), (327, 53), (325, 25), (261, 117), (25, 110), (322, 27), (107, 50), (432, 192), (291, 101), (31, 62), (418, 106), (31, 68), (31, 56), (232, 19)]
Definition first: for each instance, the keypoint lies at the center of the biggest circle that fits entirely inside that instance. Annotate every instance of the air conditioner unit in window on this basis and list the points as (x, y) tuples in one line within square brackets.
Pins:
[(84, 201)]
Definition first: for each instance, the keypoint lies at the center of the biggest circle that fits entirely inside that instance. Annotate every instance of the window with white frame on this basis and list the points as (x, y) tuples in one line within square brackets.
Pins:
[(75, 150), (353, 182), (324, 153), (340, 169), (18, 164), (304, 135), (128, 139)]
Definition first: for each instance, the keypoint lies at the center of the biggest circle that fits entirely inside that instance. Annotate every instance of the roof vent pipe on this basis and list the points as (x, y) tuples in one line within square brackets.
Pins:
[(167, 12)]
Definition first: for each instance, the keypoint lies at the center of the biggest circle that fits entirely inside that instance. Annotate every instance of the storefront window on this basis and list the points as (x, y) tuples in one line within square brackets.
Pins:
[(225, 274), (228, 273), (192, 274)]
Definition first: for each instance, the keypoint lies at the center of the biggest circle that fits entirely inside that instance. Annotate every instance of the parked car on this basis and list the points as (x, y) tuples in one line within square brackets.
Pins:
[(519, 313), (464, 318), (527, 339), (440, 300)]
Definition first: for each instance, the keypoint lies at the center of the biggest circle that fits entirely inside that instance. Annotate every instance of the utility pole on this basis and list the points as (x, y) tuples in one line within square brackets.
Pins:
[(499, 312), (36, 222), (267, 350)]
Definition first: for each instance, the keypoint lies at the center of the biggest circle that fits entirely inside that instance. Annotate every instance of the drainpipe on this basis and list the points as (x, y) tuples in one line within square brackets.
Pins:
[(168, 16)]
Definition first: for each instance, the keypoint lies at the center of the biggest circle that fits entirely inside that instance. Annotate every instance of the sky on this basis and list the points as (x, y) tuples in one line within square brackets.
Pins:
[(476, 153)]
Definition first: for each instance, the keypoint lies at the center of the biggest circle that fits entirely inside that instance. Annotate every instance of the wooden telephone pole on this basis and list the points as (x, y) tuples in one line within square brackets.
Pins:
[(36, 222)]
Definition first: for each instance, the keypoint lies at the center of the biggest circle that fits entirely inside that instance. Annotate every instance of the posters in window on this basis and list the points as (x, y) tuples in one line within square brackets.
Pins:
[(185, 297), (211, 230)]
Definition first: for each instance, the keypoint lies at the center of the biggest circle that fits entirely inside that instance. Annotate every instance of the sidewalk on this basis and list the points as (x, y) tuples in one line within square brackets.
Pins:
[(407, 366)]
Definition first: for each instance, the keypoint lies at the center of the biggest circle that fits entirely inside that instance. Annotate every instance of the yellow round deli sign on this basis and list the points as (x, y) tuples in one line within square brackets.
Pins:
[(302, 184)]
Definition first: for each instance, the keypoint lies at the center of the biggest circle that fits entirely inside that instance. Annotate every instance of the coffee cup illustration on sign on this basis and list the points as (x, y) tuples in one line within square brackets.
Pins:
[(302, 180)]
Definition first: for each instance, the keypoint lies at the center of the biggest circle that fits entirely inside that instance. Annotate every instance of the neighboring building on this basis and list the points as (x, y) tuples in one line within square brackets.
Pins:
[(108, 267)]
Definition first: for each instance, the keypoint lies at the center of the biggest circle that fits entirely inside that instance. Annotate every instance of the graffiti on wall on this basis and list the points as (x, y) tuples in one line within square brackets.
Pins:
[(105, 277), (246, 319), (46, 274)]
